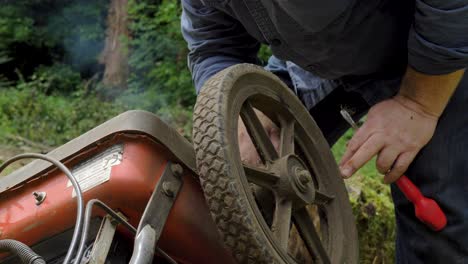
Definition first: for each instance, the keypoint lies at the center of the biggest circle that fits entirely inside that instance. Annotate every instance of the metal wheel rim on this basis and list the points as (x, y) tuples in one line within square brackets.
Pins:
[(265, 88), (249, 92)]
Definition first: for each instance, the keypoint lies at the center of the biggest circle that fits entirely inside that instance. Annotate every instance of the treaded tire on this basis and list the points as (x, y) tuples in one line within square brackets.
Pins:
[(218, 160)]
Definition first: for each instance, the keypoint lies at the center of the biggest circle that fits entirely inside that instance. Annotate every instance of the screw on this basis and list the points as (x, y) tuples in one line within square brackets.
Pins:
[(39, 197), (304, 177), (345, 114), (177, 169), (168, 189)]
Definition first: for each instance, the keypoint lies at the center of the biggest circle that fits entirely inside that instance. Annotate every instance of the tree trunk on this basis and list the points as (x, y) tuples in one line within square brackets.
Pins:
[(114, 56)]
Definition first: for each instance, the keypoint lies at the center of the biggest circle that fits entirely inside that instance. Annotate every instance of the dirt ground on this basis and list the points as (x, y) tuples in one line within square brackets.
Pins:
[(9, 150)]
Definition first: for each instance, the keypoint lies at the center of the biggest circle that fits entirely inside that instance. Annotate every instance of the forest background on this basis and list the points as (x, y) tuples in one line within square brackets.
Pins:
[(67, 66)]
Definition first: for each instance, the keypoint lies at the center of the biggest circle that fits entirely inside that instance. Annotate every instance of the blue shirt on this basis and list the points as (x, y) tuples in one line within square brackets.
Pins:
[(362, 44)]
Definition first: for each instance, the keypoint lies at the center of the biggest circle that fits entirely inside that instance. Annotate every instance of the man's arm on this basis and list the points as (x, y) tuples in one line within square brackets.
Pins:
[(438, 39), (430, 93), (215, 40), (397, 129)]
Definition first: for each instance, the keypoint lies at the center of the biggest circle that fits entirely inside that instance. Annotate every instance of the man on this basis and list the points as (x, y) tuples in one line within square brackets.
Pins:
[(402, 61)]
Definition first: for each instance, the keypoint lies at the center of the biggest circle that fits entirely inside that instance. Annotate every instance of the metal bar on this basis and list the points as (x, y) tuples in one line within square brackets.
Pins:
[(143, 250), (287, 138), (260, 176), (116, 217), (103, 241), (282, 221), (257, 133), (156, 212), (309, 235)]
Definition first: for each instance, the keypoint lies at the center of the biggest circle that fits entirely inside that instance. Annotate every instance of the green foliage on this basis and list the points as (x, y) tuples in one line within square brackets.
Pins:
[(58, 78), (51, 120), (49, 72), (15, 26), (45, 32), (158, 53), (4, 82), (65, 39), (373, 209), (45, 49), (264, 54), (83, 44)]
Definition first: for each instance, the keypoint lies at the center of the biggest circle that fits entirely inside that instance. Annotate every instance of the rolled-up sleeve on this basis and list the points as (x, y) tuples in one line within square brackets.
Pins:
[(438, 39), (215, 40)]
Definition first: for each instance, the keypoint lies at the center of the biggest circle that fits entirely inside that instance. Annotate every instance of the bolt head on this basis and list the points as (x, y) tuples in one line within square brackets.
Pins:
[(177, 169), (39, 197), (305, 177), (168, 189)]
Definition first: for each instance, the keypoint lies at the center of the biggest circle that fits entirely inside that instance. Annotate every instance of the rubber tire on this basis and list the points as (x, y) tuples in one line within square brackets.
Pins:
[(221, 183)]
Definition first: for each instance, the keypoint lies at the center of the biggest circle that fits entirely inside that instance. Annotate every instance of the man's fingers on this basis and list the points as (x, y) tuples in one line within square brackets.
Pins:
[(248, 152), (399, 168), (355, 143), (275, 138), (386, 158), (370, 148)]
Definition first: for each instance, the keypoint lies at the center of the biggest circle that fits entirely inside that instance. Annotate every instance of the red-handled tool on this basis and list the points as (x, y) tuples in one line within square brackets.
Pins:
[(426, 209)]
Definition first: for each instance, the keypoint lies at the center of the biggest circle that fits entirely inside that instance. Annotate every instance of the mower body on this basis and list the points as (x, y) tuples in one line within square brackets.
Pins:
[(119, 162)]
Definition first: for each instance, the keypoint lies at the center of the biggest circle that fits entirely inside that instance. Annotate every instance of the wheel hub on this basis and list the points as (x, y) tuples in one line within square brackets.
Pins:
[(256, 207), (295, 181), (302, 177)]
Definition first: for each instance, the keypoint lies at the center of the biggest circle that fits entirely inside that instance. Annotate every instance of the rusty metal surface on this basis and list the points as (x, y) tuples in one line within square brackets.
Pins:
[(128, 190), (130, 122), (156, 212)]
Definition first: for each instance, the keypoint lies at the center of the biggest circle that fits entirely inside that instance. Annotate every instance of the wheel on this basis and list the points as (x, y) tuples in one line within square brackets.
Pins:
[(295, 198)]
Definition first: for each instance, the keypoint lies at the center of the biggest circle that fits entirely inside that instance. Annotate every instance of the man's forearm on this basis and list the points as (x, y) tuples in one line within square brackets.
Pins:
[(396, 129), (429, 93), (215, 40)]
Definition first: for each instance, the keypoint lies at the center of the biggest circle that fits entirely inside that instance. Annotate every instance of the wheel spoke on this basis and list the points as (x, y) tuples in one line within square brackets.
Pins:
[(305, 150), (309, 235), (322, 198), (261, 177), (282, 221), (266, 202), (287, 138), (257, 133)]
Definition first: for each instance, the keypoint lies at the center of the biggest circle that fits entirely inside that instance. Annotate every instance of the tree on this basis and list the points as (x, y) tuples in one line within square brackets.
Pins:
[(114, 56)]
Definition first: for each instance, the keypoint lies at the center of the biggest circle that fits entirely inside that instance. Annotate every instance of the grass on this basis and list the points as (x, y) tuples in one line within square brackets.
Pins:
[(373, 209)]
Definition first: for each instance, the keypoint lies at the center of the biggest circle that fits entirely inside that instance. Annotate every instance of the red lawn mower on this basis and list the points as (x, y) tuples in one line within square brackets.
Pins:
[(133, 190)]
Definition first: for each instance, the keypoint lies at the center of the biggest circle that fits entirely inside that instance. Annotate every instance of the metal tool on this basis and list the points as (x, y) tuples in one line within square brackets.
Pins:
[(427, 210)]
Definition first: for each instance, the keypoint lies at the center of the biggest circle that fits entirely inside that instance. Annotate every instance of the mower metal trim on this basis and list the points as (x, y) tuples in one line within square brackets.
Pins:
[(130, 122), (156, 212)]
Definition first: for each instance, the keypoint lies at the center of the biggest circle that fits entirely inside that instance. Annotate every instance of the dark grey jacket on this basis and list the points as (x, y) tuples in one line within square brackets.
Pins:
[(333, 39)]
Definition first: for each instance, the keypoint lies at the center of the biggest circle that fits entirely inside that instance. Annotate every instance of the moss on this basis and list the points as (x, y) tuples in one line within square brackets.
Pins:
[(375, 221), (373, 208)]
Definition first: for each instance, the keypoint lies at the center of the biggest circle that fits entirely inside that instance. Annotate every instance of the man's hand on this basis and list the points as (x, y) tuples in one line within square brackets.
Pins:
[(397, 129), (249, 154)]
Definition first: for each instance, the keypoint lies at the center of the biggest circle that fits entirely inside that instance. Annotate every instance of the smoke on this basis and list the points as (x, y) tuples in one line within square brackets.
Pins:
[(80, 27), (156, 77)]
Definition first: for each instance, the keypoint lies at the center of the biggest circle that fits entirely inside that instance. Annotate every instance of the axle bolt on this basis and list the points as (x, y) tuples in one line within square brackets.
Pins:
[(168, 189), (39, 197), (177, 169), (304, 177)]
